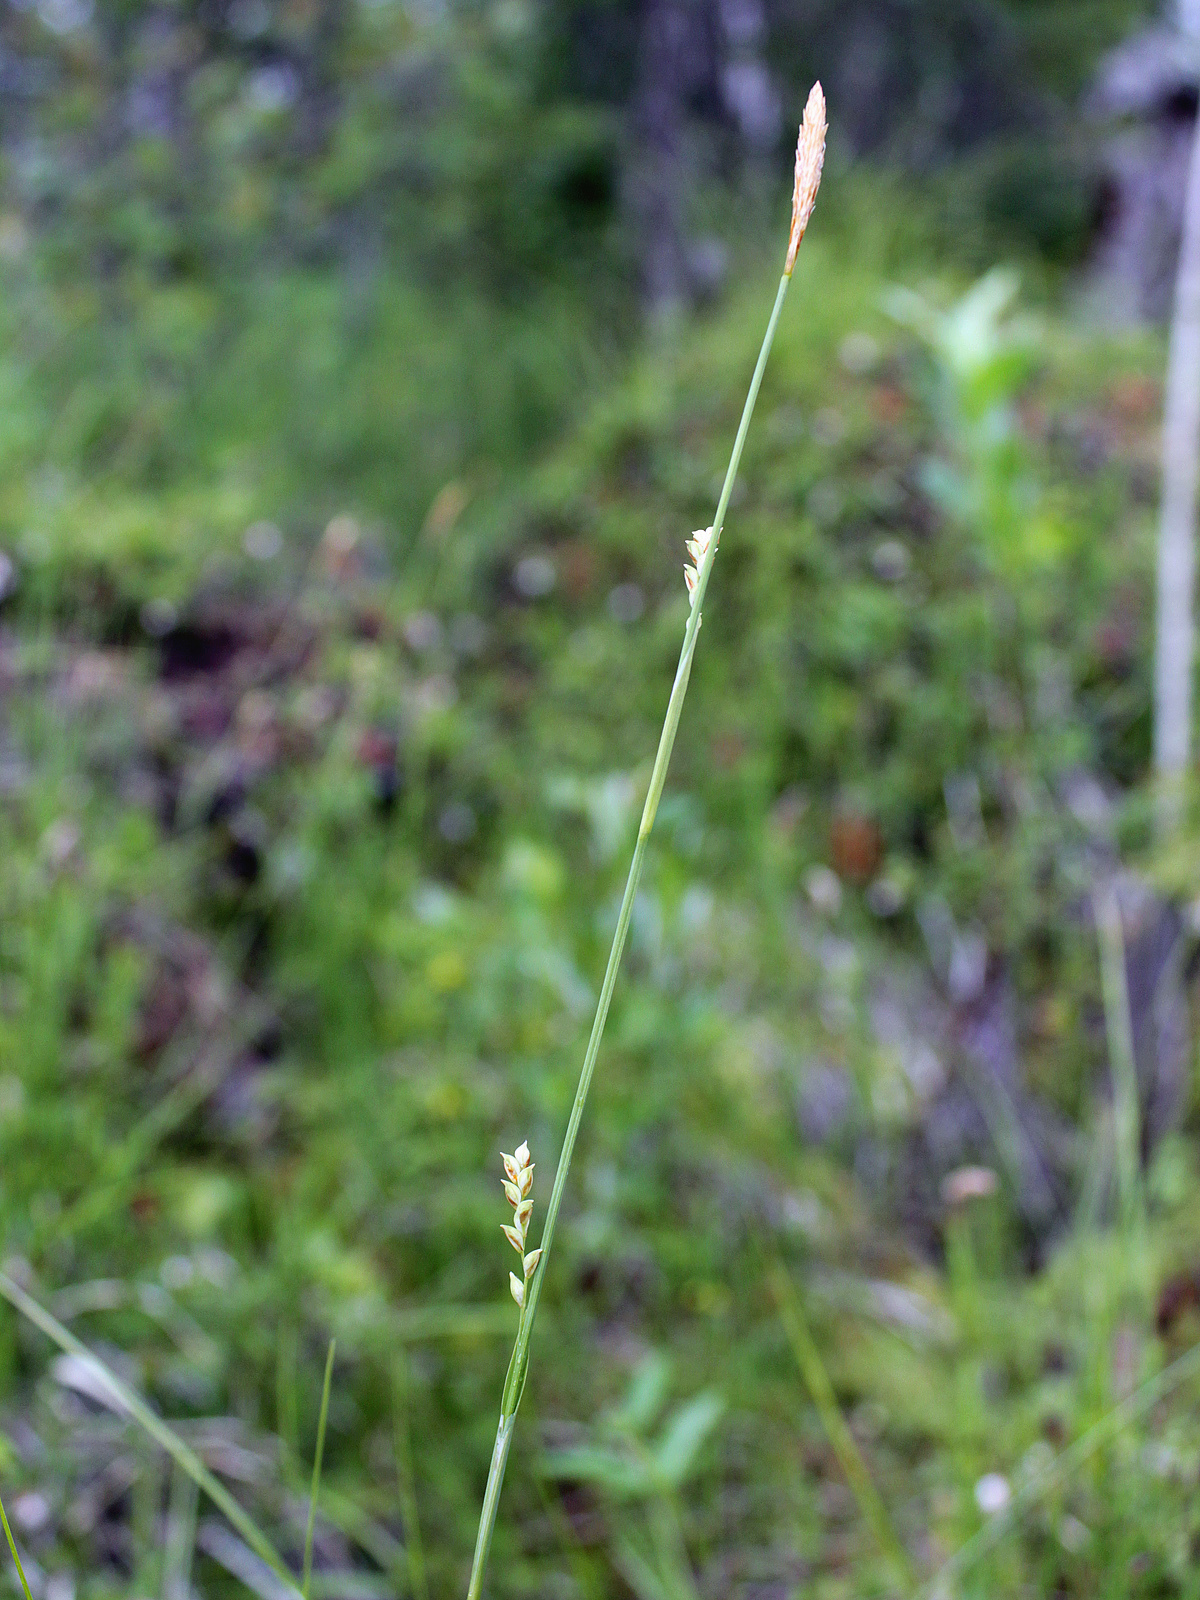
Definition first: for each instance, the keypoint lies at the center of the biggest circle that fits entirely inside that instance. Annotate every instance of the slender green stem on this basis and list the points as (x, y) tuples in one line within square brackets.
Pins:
[(414, 1551), (491, 1502), (12, 1545), (180, 1541), (667, 1537), (316, 1473), (1123, 1065), (837, 1431), (514, 1384)]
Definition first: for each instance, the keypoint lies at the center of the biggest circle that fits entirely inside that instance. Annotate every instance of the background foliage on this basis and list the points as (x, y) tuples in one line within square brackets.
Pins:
[(343, 491)]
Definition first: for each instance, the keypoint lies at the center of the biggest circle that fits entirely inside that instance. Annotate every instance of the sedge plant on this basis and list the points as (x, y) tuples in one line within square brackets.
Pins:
[(702, 547)]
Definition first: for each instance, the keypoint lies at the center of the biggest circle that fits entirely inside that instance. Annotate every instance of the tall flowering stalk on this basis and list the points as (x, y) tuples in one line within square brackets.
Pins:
[(702, 548)]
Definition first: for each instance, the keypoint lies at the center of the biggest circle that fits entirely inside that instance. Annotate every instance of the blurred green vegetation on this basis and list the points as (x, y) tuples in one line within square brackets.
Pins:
[(345, 512)]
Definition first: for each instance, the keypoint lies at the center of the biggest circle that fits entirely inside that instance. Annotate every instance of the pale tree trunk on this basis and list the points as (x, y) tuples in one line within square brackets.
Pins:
[(658, 181), (1176, 544)]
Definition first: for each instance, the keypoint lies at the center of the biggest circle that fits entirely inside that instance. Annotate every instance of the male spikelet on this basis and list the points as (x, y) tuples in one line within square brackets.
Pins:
[(810, 158), (518, 1186)]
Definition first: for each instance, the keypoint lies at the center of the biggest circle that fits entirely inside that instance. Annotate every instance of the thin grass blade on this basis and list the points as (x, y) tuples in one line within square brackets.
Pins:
[(841, 1440), (316, 1475), (414, 1549), (140, 1412), (12, 1545), (180, 1539)]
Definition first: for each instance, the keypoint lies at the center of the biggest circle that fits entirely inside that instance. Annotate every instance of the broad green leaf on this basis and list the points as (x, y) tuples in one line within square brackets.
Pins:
[(645, 1396), (686, 1430), (620, 1474)]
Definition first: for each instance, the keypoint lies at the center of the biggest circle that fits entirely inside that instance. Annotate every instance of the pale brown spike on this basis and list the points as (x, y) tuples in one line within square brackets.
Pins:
[(810, 158)]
